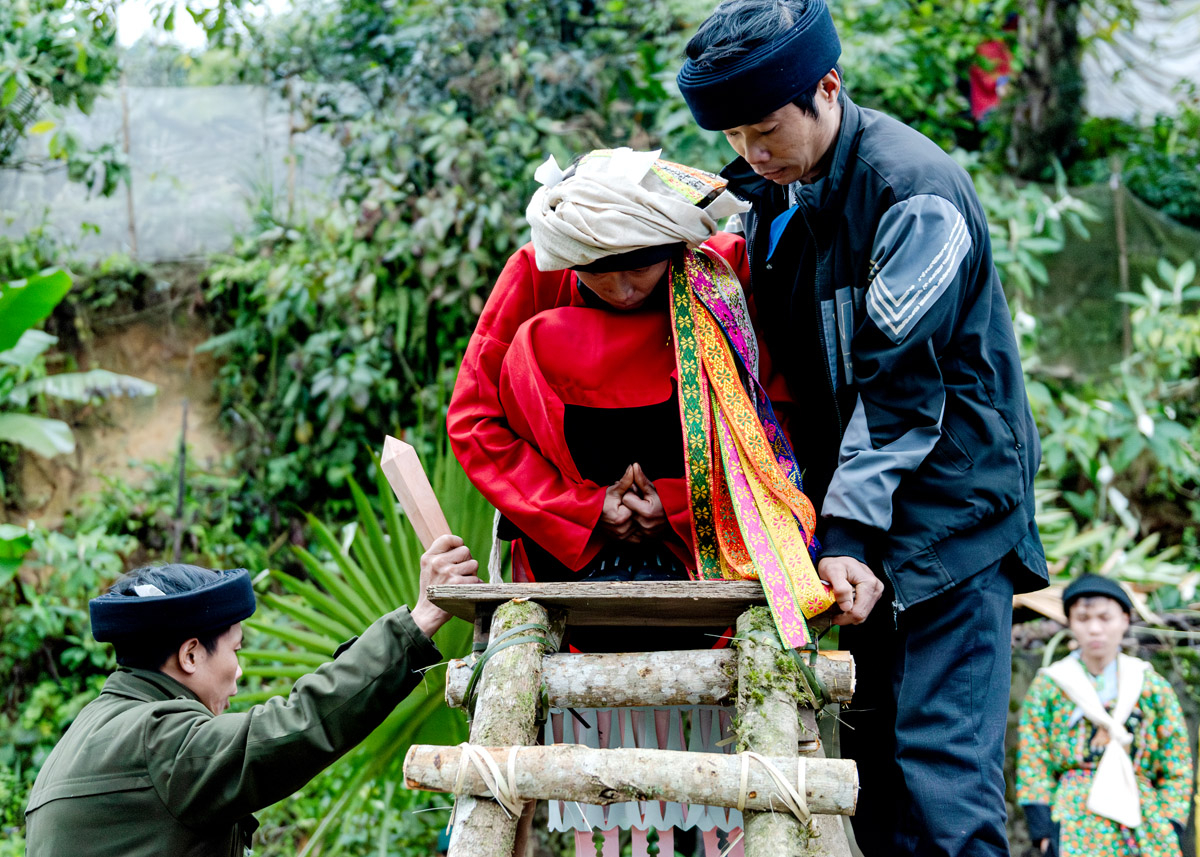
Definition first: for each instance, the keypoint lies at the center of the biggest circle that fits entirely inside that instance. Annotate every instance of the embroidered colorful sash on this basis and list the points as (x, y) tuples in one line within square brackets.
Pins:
[(750, 514)]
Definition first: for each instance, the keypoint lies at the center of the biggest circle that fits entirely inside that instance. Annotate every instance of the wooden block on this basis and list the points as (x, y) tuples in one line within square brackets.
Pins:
[(408, 480), (662, 603), (695, 604)]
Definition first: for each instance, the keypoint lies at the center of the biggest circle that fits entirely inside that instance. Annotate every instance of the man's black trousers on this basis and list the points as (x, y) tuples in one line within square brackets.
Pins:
[(927, 722)]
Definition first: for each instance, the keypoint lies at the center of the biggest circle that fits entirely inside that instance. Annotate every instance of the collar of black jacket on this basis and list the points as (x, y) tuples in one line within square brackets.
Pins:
[(146, 686), (752, 187)]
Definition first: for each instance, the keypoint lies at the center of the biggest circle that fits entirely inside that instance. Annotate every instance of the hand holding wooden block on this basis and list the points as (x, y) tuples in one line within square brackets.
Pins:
[(408, 480)]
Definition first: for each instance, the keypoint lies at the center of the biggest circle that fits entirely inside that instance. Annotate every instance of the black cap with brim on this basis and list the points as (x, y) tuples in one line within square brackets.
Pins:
[(1091, 586), (211, 607)]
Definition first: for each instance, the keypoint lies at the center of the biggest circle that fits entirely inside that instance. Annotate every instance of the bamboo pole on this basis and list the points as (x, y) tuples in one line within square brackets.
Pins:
[(506, 713), (126, 146), (768, 724), (1118, 190), (574, 772), (704, 677)]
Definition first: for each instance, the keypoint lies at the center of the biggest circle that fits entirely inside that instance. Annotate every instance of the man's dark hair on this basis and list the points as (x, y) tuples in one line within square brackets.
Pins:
[(151, 653), (738, 27)]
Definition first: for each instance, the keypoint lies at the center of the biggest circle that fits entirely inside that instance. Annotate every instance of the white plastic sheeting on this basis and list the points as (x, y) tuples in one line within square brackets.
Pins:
[(200, 158), (1145, 71)]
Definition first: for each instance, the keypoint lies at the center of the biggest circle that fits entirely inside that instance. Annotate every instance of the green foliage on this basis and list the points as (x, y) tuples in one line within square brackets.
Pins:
[(219, 528), (151, 61), (50, 667), (349, 582), (14, 544), (24, 303), (1159, 162), (1163, 165), (911, 60), (1026, 223), (1123, 449), (58, 54), (1150, 406), (29, 292), (350, 326)]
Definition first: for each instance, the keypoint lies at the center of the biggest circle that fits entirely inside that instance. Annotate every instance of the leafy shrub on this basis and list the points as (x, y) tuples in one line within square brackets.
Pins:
[(217, 530), (50, 667), (1163, 166), (24, 382), (1159, 162), (350, 326), (1122, 451), (911, 60), (58, 53)]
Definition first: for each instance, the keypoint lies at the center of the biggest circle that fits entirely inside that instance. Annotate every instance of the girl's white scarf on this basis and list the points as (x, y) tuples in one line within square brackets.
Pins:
[(1114, 791)]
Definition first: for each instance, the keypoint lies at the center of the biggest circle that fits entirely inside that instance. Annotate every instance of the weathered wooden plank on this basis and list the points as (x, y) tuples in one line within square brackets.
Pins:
[(689, 603), (574, 772), (704, 677)]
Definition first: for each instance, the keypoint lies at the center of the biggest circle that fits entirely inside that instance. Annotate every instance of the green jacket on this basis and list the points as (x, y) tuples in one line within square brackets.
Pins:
[(146, 769)]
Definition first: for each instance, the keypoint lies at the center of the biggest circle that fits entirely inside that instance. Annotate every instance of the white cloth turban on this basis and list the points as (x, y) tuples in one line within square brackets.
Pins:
[(620, 200)]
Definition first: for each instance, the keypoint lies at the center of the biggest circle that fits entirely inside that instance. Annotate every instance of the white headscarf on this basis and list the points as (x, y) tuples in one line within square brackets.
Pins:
[(619, 200)]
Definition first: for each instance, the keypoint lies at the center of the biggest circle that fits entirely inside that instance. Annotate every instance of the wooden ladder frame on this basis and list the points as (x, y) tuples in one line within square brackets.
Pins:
[(525, 675)]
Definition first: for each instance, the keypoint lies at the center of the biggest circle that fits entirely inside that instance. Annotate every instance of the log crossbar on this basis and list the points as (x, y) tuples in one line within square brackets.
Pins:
[(706, 677), (584, 774)]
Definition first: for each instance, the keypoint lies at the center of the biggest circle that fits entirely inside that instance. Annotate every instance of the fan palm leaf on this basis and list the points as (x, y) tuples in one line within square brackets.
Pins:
[(351, 583)]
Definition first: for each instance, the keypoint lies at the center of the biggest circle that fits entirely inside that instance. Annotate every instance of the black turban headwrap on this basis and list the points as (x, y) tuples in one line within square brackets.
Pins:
[(744, 89), (211, 607)]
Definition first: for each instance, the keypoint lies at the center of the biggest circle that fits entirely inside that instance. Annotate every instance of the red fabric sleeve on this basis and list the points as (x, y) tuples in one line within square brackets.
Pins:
[(589, 357), (508, 470), (673, 492)]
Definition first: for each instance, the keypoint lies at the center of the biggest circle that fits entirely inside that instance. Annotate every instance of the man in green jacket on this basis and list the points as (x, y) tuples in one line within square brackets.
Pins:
[(148, 768)]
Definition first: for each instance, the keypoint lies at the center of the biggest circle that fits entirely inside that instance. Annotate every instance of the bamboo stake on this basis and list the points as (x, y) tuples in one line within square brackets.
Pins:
[(506, 713), (704, 677), (574, 772), (130, 211)]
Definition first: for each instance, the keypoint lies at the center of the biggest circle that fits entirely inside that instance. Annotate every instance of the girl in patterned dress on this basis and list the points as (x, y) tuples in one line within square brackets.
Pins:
[(1104, 768)]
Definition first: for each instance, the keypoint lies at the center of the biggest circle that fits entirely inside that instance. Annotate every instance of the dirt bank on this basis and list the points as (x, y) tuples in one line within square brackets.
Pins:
[(158, 346)]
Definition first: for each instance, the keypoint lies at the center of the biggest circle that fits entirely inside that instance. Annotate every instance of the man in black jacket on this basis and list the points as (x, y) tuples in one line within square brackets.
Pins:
[(872, 270)]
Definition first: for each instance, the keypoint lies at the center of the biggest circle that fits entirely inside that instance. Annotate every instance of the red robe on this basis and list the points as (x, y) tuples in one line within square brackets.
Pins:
[(505, 424)]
